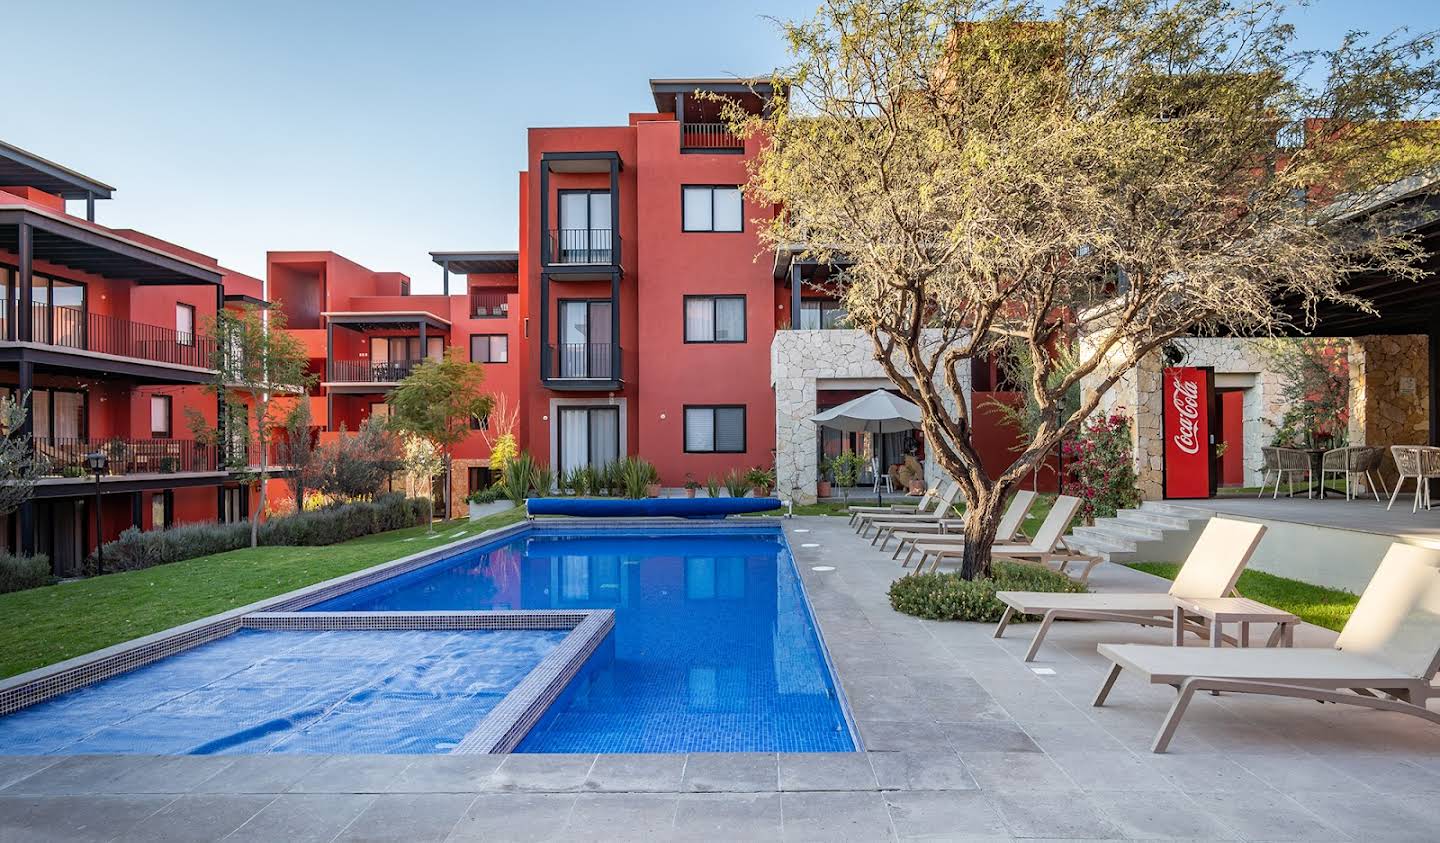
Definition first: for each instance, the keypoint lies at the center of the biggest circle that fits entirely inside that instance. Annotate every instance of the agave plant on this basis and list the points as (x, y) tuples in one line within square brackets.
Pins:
[(582, 481), (712, 486), (736, 482), (615, 478), (637, 474), (517, 477), (542, 480)]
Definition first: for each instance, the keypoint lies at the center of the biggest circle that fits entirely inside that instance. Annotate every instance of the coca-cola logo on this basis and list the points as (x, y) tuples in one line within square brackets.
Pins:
[(1186, 399)]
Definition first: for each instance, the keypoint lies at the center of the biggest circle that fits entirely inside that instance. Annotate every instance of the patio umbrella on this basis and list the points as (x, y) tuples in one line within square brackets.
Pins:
[(874, 413)]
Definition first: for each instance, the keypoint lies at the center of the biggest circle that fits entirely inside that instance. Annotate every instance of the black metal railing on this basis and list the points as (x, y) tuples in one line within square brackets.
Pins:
[(583, 245), (583, 361), (708, 136), (73, 327), (485, 304), (66, 457), (366, 371)]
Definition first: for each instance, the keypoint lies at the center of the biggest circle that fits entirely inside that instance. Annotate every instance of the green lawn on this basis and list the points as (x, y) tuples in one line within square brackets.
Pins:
[(46, 625), (1327, 607)]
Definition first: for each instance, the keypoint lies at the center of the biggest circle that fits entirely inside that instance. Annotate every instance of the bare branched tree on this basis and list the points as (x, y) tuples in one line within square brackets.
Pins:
[(992, 174)]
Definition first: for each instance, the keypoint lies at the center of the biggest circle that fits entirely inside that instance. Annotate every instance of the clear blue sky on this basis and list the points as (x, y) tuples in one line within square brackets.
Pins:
[(379, 130)]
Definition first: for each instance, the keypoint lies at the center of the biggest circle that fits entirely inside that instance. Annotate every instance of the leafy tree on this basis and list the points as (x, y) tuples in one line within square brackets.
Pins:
[(424, 462), (356, 467), (260, 363), (296, 450), (20, 466), (1315, 383), (436, 403), (984, 174)]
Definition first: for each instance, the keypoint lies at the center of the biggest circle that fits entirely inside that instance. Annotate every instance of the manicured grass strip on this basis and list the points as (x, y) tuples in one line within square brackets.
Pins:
[(47, 625), (1327, 607)]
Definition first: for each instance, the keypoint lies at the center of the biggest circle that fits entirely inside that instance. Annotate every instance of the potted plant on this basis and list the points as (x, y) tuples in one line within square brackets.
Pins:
[(761, 481), (488, 502), (822, 483), (690, 485)]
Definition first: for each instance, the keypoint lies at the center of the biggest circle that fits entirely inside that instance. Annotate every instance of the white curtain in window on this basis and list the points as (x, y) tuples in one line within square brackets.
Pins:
[(604, 436), (728, 213), (697, 209), (729, 320), (574, 439), (500, 349), (730, 429), (69, 415), (809, 316), (700, 320), (159, 415), (40, 407), (699, 429)]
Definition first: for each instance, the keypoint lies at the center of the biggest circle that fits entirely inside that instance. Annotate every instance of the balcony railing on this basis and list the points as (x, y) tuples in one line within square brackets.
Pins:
[(366, 371), (708, 137), (63, 457), (488, 305), (583, 246), (583, 361), (73, 327)]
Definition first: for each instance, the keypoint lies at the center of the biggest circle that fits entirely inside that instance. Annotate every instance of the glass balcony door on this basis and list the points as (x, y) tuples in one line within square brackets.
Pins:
[(584, 235), (589, 436), (585, 339)]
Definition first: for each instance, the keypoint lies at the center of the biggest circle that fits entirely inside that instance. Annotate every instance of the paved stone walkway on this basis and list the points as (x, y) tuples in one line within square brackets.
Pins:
[(964, 741)]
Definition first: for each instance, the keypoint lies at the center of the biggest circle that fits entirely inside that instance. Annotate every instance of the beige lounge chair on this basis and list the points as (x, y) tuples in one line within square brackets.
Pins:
[(1384, 659), (943, 511), (1047, 547), (1008, 531), (1210, 570), (923, 505)]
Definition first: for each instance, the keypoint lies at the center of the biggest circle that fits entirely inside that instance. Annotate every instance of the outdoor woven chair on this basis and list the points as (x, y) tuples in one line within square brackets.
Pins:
[(1351, 464), (1283, 462), (1418, 463)]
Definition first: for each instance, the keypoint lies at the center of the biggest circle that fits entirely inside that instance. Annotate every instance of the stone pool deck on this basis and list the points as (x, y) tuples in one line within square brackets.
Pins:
[(964, 741)]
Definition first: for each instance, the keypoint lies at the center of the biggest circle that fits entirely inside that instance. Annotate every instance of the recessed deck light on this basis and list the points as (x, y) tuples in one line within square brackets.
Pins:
[(822, 568)]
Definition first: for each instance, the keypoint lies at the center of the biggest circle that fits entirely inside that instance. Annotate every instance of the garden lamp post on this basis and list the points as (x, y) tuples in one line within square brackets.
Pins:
[(98, 462)]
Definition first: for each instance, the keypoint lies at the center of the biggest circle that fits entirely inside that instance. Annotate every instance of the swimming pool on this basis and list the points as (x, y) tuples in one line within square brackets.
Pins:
[(351, 691), (713, 650)]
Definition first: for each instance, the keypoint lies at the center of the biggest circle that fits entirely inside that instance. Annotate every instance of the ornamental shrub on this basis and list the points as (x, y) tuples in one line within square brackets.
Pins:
[(948, 597), (1103, 466), (18, 573)]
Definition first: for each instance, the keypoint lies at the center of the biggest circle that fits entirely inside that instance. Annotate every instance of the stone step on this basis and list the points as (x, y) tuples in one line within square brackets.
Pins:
[(1127, 530), (1153, 520)]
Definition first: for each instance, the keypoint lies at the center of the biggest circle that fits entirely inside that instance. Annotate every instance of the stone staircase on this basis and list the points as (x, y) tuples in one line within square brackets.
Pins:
[(1156, 532)]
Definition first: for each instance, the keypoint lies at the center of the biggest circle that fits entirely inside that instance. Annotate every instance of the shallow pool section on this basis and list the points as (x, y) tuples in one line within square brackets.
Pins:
[(713, 650), (335, 691)]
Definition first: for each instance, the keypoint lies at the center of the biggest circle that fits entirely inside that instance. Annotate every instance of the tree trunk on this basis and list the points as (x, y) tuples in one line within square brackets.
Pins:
[(259, 508), (981, 521)]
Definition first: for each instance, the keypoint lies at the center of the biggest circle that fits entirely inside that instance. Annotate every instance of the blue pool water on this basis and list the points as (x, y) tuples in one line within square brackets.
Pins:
[(407, 691), (713, 650)]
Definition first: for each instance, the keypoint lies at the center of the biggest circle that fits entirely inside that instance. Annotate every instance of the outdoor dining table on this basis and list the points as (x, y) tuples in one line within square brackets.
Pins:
[(1317, 460)]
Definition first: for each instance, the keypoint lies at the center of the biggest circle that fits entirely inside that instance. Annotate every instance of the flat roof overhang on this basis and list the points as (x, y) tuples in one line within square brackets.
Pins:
[(20, 168), (88, 248), (358, 387), (241, 298), (65, 487), (664, 90), (581, 162), (366, 321), (811, 270), (479, 263)]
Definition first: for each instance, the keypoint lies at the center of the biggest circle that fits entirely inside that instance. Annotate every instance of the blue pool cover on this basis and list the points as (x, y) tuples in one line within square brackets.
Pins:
[(714, 648), (650, 507), (323, 692)]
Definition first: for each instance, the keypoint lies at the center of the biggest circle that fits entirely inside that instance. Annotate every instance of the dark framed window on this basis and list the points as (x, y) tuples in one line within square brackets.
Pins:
[(489, 348), (58, 413), (584, 334), (711, 207), (587, 436), (718, 429), (161, 407), (185, 323), (585, 231), (821, 314), (714, 318), (481, 478), (480, 423)]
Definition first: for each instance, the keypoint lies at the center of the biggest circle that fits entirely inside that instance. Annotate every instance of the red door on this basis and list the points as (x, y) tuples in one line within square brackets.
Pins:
[(1232, 433), (1189, 429)]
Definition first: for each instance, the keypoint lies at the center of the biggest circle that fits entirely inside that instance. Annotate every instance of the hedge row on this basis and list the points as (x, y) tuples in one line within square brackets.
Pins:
[(947, 597), (135, 550), (18, 573)]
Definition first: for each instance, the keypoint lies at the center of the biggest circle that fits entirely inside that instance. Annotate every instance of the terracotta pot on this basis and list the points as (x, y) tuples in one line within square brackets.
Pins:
[(822, 489), (653, 490), (689, 493)]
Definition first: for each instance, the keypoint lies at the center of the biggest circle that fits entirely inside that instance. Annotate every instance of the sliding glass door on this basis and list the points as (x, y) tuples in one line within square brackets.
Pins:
[(588, 436), (584, 226), (585, 339)]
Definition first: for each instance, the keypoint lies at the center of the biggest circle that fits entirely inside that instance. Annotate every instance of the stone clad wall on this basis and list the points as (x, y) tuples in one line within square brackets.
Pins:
[(1389, 393), (802, 363)]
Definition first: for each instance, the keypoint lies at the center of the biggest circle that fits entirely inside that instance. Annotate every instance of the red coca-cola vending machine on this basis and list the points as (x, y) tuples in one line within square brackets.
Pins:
[(1191, 468)]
